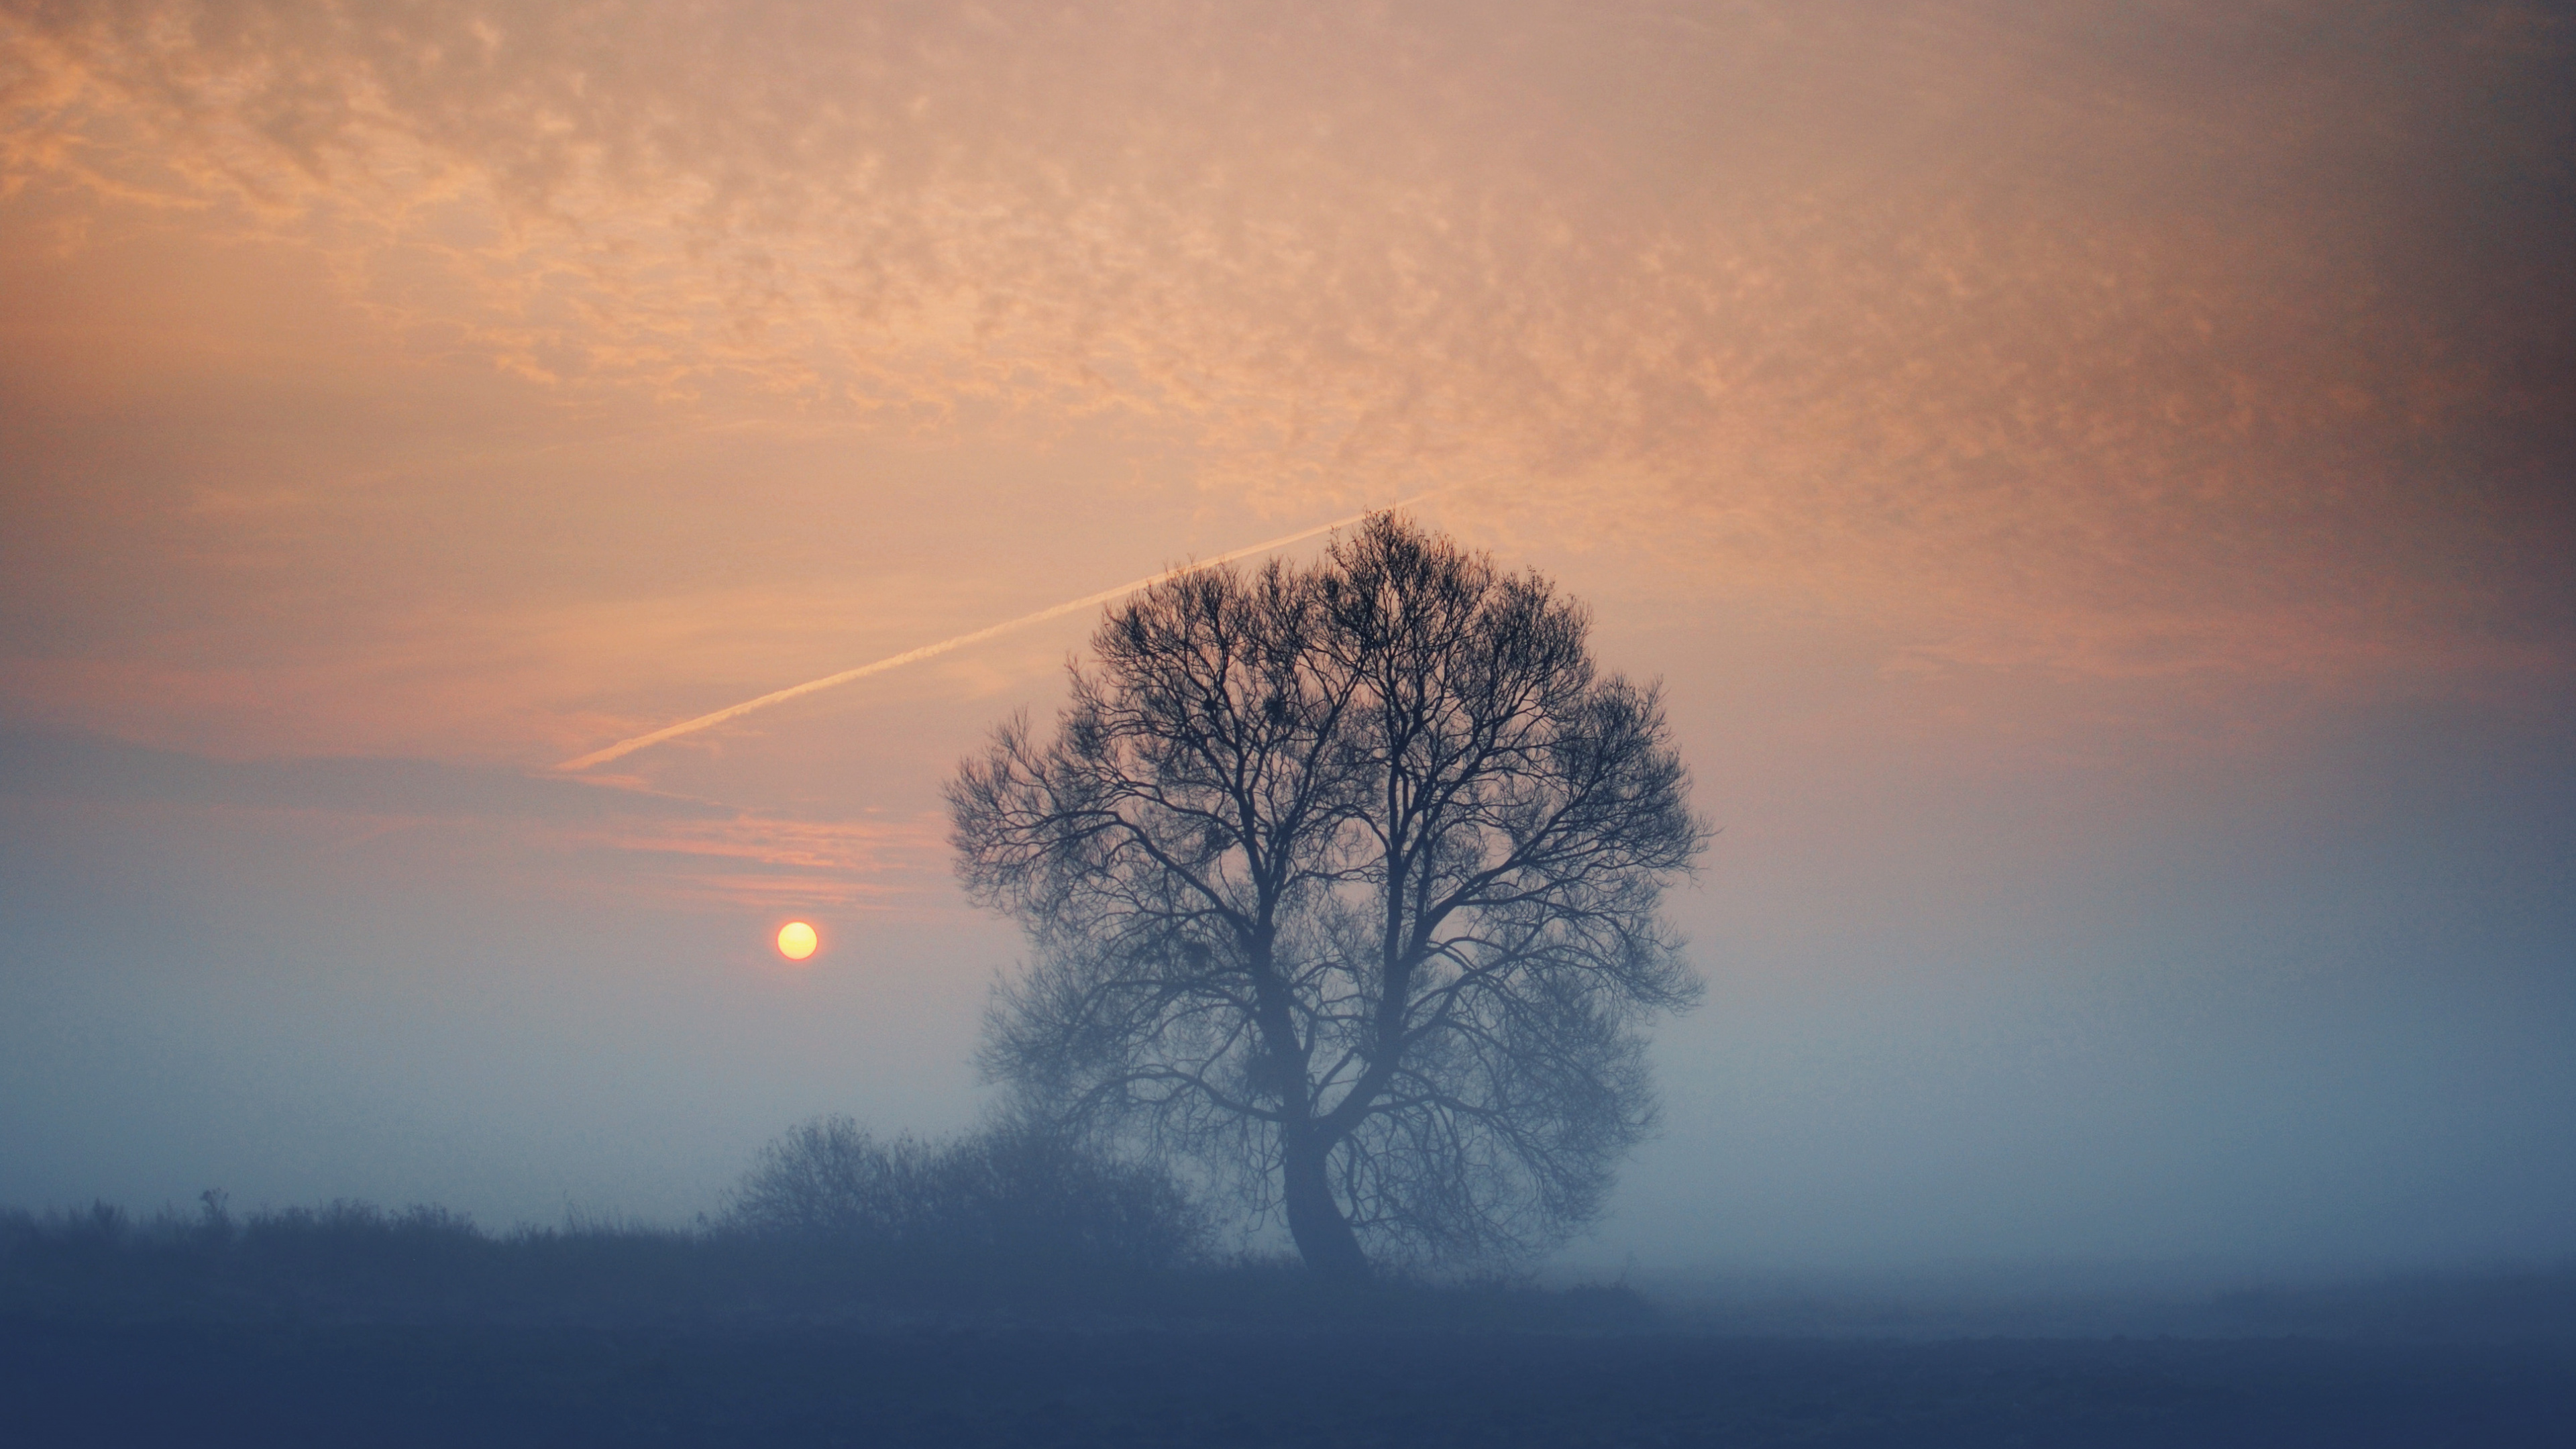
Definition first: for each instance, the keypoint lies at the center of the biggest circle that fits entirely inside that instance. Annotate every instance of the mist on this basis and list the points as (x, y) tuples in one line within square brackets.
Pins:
[(2294, 1004), (2091, 482)]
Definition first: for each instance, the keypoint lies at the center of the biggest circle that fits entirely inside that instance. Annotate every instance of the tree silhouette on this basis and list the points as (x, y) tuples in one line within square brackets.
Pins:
[(1344, 881)]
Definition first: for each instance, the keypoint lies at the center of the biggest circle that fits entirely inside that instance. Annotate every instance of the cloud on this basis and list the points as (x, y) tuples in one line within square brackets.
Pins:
[(554, 837), (870, 866), (75, 768), (2109, 338)]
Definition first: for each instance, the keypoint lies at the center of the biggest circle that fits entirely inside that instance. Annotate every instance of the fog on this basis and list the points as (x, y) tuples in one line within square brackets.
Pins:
[(2092, 480), (2297, 1008)]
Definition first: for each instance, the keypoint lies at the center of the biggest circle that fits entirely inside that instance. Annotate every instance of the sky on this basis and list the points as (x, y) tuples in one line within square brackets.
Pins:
[(2093, 478)]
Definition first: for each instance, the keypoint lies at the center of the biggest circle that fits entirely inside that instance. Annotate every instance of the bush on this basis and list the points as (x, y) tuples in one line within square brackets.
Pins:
[(1012, 1196)]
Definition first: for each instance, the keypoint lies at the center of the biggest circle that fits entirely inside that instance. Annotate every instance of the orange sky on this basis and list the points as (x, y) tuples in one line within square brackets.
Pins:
[(2106, 338), (1951, 391)]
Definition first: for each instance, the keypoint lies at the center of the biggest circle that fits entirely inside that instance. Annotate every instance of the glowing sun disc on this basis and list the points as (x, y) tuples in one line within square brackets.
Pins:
[(796, 940)]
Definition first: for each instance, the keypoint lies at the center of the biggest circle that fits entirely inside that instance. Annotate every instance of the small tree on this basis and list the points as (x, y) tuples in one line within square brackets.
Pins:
[(1344, 880)]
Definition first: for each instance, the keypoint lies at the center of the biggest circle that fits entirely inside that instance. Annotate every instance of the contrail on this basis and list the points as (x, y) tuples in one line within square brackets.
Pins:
[(781, 696)]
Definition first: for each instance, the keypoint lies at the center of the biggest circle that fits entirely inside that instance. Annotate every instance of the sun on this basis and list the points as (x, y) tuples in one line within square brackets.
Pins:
[(796, 940)]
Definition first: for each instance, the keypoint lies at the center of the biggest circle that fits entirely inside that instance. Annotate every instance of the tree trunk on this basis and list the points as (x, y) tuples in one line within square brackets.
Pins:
[(1324, 1237)]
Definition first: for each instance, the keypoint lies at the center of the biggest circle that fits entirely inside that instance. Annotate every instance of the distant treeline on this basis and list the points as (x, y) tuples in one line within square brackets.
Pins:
[(831, 1222)]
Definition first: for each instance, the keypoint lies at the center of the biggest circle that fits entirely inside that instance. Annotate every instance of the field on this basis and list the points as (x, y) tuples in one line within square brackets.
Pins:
[(417, 1330), (200, 1383)]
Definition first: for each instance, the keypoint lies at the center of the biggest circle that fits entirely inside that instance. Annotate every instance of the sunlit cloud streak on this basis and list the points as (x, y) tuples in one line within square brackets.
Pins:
[(73, 767), (927, 651), (873, 866)]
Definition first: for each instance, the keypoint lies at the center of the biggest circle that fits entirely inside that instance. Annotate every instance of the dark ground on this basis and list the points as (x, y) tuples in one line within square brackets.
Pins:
[(349, 1326), (201, 1383)]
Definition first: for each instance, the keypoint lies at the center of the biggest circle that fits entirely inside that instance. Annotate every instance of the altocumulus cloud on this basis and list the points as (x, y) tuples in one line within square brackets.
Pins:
[(2114, 339)]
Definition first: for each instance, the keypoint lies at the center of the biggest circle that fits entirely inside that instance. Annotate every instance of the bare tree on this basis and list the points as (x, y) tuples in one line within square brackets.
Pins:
[(1344, 880)]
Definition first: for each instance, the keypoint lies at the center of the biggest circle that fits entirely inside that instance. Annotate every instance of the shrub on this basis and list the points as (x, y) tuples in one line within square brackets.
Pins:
[(1013, 1196)]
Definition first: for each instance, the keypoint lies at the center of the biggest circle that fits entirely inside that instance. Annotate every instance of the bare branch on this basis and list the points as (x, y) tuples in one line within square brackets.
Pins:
[(1345, 879)]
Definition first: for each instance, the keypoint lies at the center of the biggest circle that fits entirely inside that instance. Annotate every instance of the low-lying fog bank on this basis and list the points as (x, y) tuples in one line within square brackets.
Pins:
[(2508, 1302)]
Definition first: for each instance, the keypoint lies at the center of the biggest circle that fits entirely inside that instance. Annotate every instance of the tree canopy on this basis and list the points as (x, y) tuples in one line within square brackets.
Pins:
[(1344, 880)]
